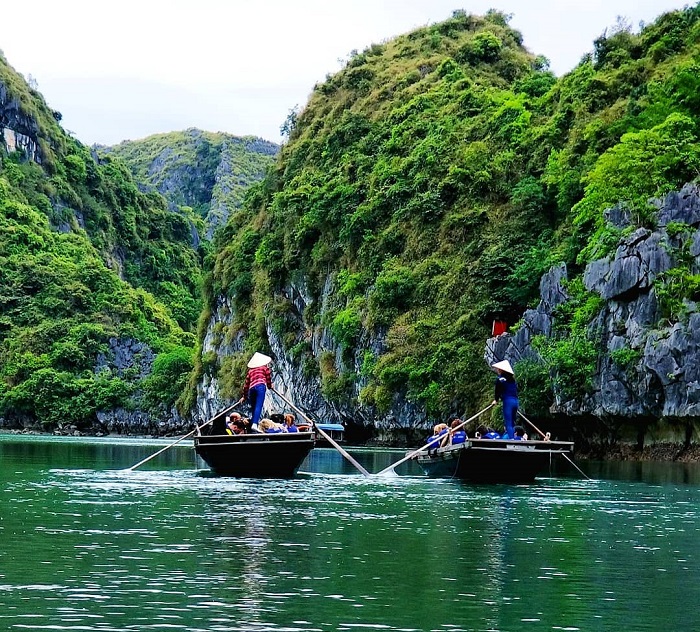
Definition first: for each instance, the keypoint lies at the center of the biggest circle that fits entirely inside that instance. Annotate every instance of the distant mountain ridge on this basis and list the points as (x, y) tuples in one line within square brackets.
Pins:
[(206, 171)]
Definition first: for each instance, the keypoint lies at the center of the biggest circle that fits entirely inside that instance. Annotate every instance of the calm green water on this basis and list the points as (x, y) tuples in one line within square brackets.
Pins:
[(168, 547)]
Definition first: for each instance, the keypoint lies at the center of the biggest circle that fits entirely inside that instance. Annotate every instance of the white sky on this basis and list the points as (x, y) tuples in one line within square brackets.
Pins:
[(130, 68)]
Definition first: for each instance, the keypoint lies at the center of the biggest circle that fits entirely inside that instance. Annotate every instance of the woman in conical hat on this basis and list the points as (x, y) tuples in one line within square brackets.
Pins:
[(257, 380), (507, 392), (259, 359)]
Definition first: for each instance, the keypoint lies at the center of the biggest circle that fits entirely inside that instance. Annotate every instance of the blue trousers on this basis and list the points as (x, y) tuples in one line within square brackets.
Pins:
[(256, 399), (510, 410)]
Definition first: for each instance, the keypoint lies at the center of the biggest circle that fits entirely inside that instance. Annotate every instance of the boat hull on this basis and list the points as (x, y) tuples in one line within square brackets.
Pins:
[(493, 460), (255, 455)]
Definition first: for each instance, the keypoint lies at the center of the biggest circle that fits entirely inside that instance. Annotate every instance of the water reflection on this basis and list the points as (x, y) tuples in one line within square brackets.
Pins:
[(92, 452), (654, 472), (330, 461)]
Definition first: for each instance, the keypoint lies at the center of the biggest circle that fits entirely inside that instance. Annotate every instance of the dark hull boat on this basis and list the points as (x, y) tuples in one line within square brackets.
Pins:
[(493, 460), (274, 455)]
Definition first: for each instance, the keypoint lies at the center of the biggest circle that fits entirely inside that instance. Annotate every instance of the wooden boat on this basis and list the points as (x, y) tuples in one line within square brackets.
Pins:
[(258, 455), (493, 460), (263, 455)]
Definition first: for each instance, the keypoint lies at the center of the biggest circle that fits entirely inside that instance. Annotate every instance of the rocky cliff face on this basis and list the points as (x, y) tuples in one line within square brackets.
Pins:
[(18, 131), (233, 176), (647, 378)]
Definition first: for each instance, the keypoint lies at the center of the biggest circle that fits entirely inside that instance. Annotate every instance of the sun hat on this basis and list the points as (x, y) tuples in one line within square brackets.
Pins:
[(258, 359), (504, 365)]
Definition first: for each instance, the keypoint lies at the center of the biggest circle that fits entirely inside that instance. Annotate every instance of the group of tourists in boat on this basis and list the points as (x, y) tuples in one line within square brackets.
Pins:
[(237, 424), (506, 391), (454, 433), (258, 380), (273, 446)]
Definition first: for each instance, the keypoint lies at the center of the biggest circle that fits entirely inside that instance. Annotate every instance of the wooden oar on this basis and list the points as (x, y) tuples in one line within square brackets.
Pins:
[(547, 439), (324, 434), (430, 444), (189, 434)]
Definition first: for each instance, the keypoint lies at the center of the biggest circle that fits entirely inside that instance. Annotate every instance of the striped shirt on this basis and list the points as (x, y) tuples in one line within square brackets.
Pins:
[(258, 375)]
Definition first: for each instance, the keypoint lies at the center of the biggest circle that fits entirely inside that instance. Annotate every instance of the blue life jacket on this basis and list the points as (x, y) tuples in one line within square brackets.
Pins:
[(491, 435), (436, 440), (459, 437)]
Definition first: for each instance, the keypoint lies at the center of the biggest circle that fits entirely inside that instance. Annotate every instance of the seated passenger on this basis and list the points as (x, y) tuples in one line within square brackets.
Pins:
[(277, 418), (484, 432), (269, 426), (439, 431), (236, 420), (289, 423), (457, 436), (302, 427), (520, 434), (237, 427)]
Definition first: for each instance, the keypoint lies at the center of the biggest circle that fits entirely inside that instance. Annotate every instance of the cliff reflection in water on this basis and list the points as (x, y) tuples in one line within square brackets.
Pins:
[(652, 472)]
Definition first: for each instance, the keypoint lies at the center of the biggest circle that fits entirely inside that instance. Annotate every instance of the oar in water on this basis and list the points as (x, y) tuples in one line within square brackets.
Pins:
[(324, 434), (546, 436), (431, 443), (189, 434)]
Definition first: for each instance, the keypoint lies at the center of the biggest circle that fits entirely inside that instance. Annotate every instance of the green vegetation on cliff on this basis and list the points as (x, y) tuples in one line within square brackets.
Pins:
[(85, 259), (437, 176)]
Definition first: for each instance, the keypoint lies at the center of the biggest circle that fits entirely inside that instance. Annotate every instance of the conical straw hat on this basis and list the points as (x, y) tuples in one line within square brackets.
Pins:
[(258, 359), (504, 365)]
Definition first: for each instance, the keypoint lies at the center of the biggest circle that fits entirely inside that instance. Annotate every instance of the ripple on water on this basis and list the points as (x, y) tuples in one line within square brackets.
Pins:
[(93, 549)]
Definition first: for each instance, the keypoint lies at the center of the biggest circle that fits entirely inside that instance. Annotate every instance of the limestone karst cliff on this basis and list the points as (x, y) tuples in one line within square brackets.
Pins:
[(424, 190), (645, 382)]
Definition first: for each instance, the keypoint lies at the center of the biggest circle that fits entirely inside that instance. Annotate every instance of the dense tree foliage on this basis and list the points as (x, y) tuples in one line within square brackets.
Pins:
[(438, 175)]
